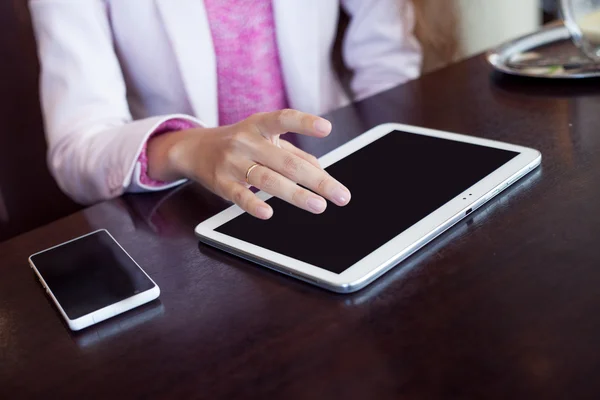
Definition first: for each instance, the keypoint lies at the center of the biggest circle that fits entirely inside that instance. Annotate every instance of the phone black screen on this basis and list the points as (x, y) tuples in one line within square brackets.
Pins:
[(90, 273)]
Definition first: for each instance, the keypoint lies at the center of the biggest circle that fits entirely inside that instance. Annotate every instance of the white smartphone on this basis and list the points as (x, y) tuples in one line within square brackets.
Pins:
[(92, 278), (408, 184)]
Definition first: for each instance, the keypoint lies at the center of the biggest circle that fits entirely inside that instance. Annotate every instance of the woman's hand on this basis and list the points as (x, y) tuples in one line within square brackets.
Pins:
[(220, 158)]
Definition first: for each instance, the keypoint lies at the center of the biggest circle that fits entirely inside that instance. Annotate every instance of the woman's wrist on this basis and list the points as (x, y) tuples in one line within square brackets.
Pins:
[(164, 155)]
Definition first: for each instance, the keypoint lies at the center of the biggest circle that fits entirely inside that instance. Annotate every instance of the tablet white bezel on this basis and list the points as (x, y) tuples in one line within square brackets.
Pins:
[(106, 312), (400, 247)]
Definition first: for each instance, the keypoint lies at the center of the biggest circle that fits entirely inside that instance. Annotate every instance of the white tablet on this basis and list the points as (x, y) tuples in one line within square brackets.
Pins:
[(408, 185)]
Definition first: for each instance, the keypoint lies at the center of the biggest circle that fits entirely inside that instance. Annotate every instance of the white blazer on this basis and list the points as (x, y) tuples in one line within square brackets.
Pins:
[(113, 70)]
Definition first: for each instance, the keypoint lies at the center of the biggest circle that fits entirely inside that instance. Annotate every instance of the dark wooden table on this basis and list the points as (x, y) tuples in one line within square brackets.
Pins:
[(505, 305)]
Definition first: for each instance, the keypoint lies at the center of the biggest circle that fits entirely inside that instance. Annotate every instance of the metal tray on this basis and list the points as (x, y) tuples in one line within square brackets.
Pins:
[(547, 53)]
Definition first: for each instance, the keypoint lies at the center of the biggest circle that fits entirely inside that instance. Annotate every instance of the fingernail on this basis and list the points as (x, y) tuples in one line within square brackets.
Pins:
[(316, 204), (341, 196), (323, 126), (264, 212)]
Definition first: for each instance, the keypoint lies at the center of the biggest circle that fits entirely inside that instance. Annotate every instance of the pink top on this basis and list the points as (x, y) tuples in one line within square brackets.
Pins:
[(248, 67), (250, 78)]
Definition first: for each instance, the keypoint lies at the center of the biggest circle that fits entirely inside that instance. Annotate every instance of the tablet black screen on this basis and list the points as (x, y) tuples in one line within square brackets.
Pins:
[(395, 182)]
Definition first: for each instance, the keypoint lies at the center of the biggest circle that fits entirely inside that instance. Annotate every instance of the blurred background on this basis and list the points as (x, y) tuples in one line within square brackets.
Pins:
[(450, 30)]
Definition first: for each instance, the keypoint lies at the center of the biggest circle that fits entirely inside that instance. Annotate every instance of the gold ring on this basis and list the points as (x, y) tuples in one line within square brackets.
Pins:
[(249, 171)]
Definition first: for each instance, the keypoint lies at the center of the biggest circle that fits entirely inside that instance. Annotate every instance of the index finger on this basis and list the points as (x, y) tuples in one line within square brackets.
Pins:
[(283, 121)]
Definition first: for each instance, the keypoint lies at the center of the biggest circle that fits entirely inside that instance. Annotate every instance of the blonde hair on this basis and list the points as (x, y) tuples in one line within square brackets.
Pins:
[(436, 29)]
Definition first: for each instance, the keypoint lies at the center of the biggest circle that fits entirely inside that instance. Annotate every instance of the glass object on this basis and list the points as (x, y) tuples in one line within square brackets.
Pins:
[(582, 19)]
